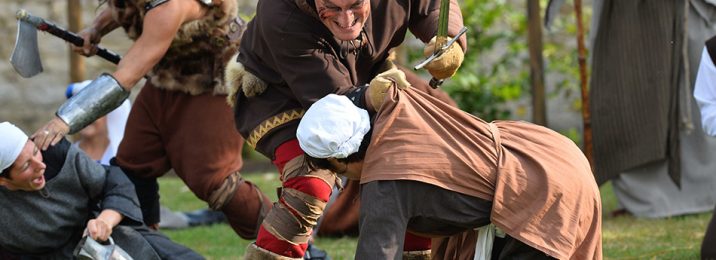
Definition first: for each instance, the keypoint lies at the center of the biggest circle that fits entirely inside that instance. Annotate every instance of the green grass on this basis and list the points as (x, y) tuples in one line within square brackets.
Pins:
[(623, 237)]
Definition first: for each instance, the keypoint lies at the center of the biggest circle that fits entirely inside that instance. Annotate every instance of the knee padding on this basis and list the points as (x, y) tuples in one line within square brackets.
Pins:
[(225, 192), (281, 223), (297, 167), (306, 207)]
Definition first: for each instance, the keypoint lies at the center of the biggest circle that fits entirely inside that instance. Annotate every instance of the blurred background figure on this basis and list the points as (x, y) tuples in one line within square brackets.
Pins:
[(705, 94), (647, 131), (100, 141)]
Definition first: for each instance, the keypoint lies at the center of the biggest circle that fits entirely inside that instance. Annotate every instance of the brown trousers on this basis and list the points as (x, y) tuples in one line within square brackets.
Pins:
[(195, 136), (341, 216)]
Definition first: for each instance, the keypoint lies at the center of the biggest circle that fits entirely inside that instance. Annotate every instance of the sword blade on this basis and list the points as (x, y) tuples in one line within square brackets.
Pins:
[(443, 22)]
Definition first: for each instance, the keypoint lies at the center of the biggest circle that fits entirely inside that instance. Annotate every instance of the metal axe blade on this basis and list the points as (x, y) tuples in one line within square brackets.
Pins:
[(26, 55)]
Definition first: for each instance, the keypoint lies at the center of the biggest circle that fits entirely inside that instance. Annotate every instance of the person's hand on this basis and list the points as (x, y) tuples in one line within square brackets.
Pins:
[(50, 133), (378, 87), (98, 229), (154, 227), (447, 64), (91, 38)]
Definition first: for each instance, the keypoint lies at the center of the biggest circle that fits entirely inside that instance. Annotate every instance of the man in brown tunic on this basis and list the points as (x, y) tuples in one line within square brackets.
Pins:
[(297, 51), (179, 119), (433, 169)]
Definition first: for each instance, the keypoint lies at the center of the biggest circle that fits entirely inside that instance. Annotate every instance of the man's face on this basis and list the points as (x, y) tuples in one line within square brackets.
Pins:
[(344, 18), (27, 173), (350, 170), (95, 129)]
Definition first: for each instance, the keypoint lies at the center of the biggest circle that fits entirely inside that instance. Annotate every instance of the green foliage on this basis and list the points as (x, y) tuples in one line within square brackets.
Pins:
[(573, 134), (494, 80), (622, 237), (627, 237), (492, 72)]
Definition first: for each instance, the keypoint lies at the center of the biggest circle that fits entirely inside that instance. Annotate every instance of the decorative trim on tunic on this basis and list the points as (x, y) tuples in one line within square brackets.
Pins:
[(273, 122)]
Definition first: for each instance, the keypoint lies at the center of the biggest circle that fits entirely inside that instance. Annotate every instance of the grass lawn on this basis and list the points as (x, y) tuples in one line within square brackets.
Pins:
[(623, 237)]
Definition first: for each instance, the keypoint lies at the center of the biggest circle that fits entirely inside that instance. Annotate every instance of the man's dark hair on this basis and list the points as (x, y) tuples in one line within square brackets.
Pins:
[(323, 163), (6, 173)]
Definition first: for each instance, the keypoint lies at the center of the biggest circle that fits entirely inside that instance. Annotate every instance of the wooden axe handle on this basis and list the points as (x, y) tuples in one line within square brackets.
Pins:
[(44, 25)]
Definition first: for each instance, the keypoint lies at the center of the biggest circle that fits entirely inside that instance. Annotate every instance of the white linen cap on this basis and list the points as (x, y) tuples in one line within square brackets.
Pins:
[(332, 127), (11, 144)]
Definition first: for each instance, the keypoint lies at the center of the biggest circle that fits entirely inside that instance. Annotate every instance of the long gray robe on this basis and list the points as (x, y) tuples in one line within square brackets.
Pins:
[(647, 132)]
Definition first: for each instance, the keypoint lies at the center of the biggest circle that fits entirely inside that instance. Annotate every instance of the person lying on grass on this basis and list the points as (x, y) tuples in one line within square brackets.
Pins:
[(50, 200), (435, 170)]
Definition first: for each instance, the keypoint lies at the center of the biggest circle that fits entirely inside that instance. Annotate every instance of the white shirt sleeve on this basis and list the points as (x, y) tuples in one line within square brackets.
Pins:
[(705, 93)]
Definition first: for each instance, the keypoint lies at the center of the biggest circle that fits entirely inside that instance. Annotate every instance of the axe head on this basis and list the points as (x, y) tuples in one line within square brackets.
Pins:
[(26, 56)]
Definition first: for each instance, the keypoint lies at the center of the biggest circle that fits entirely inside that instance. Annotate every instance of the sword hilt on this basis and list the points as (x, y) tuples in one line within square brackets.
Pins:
[(436, 83), (440, 50)]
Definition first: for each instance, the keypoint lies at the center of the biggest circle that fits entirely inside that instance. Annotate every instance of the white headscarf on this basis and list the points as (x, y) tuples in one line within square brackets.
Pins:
[(12, 140), (332, 127)]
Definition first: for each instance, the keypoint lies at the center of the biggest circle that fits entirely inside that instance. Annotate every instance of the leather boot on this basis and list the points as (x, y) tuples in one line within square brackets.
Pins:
[(253, 252), (416, 255)]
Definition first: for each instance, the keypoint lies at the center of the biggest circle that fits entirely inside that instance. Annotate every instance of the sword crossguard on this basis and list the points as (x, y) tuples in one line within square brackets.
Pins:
[(439, 51), (435, 83)]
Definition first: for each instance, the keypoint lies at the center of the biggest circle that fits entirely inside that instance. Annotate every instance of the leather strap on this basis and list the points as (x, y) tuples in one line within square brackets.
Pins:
[(153, 3)]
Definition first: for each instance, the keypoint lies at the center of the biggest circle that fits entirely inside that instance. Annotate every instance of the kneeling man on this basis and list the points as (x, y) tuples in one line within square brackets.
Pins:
[(432, 169)]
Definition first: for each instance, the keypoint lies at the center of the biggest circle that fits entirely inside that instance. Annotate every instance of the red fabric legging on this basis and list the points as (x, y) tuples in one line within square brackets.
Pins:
[(312, 186), (320, 190)]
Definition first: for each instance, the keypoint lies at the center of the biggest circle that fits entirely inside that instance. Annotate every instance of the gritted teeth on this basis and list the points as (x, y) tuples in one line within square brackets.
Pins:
[(355, 21)]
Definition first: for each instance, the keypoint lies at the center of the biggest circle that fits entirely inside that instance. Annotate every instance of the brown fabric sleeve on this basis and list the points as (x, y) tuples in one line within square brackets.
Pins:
[(308, 67)]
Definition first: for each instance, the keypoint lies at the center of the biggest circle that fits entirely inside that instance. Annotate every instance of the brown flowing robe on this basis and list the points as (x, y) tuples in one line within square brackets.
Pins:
[(341, 216), (540, 183)]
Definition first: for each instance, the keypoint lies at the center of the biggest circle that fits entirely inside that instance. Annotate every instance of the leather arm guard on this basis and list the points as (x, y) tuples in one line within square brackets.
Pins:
[(100, 97)]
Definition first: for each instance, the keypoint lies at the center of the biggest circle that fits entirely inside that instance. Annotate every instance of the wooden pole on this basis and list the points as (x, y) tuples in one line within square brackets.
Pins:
[(74, 19), (583, 77), (534, 39)]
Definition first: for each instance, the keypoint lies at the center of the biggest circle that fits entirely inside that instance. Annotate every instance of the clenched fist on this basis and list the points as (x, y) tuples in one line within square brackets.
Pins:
[(375, 94), (447, 64)]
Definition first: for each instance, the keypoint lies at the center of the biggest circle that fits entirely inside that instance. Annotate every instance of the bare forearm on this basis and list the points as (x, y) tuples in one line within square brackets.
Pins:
[(111, 217), (160, 26), (101, 227), (104, 23), (138, 61)]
